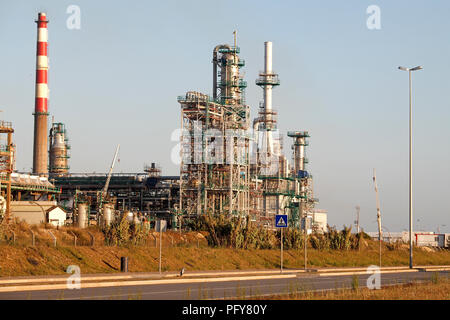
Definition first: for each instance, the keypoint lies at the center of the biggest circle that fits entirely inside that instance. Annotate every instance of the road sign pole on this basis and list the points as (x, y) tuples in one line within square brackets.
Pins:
[(306, 246), (281, 264), (281, 221)]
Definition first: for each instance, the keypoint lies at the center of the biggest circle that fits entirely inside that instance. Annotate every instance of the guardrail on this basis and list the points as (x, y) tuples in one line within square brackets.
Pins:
[(56, 239)]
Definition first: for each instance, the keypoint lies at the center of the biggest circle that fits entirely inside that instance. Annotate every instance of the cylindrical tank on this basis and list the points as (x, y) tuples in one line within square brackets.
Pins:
[(58, 164), (129, 215), (108, 214), (230, 77), (136, 218), (82, 215), (2, 207)]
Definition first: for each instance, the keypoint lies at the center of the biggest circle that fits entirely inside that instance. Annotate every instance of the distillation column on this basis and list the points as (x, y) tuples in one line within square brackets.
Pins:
[(302, 179), (269, 149), (58, 164), (40, 155), (299, 149), (214, 171), (267, 80)]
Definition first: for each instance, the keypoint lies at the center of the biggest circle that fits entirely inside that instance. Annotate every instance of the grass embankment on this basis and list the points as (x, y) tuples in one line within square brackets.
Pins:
[(436, 289), (188, 250), (45, 259)]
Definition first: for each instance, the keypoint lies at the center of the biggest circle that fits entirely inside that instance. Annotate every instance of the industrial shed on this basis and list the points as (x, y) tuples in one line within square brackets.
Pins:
[(56, 216), (32, 212)]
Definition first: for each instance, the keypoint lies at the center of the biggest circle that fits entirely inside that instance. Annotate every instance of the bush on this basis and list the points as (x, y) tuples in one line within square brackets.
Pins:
[(235, 232), (121, 233), (239, 233), (336, 240), (138, 234), (118, 233)]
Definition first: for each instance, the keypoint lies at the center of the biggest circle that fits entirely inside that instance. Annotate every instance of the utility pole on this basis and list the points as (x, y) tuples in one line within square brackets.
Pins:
[(380, 236), (358, 208), (160, 244), (306, 241), (410, 164), (357, 227)]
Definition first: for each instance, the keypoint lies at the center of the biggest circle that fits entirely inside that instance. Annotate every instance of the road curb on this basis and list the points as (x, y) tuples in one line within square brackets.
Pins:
[(134, 278), (139, 282), (365, 272)]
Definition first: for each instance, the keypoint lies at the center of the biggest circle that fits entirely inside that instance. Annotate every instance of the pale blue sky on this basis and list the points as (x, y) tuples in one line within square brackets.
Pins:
[(117, 78)]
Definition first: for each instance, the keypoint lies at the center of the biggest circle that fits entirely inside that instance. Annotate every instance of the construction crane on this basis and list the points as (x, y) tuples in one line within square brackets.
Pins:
[(380, 236), (105, 188)]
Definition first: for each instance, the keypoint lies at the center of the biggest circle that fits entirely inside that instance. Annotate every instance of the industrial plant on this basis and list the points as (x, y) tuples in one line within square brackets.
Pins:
[(194, 151), (232, 163)]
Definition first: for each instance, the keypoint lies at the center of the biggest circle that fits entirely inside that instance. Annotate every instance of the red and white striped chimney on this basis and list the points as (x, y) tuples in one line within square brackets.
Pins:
[(40, 155), (41, 64)]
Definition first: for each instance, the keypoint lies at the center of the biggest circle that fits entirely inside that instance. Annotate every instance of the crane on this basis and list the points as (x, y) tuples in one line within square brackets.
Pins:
[(105, 188), (380, 236)]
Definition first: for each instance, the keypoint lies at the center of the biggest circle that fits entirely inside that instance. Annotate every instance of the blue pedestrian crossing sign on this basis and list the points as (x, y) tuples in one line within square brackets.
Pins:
[(281, 221)]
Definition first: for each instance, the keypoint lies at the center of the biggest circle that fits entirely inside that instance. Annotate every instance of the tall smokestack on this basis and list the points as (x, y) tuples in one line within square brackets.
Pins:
[(40, 154), (267, 80), (268, 74)]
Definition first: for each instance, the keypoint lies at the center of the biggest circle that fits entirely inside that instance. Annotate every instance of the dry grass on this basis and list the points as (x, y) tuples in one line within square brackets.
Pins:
[(179, 250), (47, 259), (432, 290)]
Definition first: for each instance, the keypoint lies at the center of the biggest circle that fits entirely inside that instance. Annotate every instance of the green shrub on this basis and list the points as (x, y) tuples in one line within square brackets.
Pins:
[(118, 233), (240, 233), (235, 232)]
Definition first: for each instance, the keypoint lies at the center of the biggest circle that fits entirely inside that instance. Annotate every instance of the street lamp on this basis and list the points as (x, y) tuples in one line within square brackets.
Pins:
[(410, 164)]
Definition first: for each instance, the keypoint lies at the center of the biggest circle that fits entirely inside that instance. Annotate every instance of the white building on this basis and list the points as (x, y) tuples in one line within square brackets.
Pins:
[(316, 221), (56, 216), (36, 212), (420, 238), (430, 240), (319, 220)]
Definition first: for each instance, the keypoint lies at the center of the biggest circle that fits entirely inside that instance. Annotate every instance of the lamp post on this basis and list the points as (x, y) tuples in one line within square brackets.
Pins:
[(410, 164)]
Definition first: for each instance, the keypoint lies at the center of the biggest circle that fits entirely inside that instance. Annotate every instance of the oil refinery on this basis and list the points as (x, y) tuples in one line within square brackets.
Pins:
[(127, 172), (232, 164)]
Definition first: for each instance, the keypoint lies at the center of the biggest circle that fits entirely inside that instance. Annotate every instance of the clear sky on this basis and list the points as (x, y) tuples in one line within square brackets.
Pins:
[(117, 78)]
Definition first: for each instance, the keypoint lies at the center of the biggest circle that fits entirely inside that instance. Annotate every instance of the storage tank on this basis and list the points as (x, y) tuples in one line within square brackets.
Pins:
[(129, 216), (2, 207), (82, 215), (136, 218), (108, 215)]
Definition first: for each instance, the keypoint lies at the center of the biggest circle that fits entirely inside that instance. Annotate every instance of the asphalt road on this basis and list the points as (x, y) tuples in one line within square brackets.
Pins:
[(239, 289)]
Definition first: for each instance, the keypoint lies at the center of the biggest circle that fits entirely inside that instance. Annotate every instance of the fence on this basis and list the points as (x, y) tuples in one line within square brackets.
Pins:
[(73, 238)]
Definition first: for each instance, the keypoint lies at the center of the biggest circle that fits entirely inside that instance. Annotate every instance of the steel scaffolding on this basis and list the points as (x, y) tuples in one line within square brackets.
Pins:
[(6, 168), (215, 163), (217, 174)]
